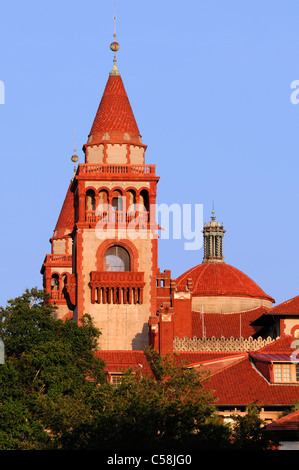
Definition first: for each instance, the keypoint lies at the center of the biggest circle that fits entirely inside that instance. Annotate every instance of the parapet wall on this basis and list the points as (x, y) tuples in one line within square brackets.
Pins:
[(220, 344)]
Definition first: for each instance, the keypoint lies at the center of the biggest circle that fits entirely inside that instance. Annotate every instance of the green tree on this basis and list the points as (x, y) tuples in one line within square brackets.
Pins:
[(50, 371), (169, 409), (248, 431)]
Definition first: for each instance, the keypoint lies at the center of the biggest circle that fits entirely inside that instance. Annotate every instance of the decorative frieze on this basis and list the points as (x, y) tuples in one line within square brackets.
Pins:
[(220, 344)]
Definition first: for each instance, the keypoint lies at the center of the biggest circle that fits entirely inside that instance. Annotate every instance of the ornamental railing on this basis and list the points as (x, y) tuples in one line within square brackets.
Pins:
[(116, 217), (66, 260), (116, 287), (107, 169)]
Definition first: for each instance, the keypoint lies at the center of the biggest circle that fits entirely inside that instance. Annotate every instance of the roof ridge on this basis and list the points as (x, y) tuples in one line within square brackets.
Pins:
[(237, 361)]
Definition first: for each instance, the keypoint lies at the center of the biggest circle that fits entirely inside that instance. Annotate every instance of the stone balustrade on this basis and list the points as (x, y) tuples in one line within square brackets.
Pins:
[(220, 344)]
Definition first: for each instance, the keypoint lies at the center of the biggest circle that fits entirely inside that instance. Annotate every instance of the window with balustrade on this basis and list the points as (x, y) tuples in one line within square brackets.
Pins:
[(116, 283)]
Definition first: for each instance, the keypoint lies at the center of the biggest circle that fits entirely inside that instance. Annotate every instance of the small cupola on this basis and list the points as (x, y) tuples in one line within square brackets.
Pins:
[(213, 241)]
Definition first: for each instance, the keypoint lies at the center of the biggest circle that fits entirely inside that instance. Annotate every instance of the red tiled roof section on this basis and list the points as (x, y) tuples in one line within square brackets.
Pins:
[(221, 279), (289, 422), (241, 384), (114, 120), (289, 307), (66, 217), (227, 325), (282, 345), (117, 361)]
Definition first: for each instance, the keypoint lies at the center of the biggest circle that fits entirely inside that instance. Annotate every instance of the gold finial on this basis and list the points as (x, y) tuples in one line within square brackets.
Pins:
[(213, 213), (74, 158), (114, 46)]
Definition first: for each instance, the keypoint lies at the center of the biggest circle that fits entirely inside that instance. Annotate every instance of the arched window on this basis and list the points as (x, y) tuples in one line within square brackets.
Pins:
[(116, 258), (117, 202), (90, 200), (103, 197), (55, 282), (144, 200), (131, 200)]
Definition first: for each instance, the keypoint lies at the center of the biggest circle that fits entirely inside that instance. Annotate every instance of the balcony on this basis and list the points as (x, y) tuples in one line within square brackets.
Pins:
[(106, 171), (57, 295), (116, 287), (58, 260), (117, 217)]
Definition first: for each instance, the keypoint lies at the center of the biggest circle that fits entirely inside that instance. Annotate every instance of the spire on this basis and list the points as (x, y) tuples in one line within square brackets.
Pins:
[(114, 122), (114, 46), (75, 157), (213, 240)]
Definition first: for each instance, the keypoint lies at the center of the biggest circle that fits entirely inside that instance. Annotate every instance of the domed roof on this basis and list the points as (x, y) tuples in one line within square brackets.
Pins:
[(220, 279)]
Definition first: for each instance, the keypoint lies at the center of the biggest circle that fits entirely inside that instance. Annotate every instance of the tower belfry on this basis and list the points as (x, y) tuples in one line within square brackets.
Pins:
[(104, 247)]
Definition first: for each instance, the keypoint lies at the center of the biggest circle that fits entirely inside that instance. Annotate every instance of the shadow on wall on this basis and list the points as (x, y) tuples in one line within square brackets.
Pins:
[(140, 341)]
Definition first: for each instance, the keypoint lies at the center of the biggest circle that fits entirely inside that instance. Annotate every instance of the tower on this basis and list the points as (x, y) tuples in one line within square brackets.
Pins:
[(104, 247)]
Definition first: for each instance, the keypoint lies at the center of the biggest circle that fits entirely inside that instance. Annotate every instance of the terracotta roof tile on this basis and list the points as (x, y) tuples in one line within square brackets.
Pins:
[(289, 422), (289, 307), (117, 361), (114, 120), (241, 384), (226, 324), (66, 217), (236, 383), (221, 279), (282, 345)]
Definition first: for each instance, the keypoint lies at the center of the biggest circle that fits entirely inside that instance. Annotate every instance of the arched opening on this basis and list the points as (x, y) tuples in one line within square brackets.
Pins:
[(90, 200), (131, 200), (63, 281), (116, 258), (55, 286), (103, 196), (55, 282), (144, 200), (117, 202), (90, 205), (143, 207)]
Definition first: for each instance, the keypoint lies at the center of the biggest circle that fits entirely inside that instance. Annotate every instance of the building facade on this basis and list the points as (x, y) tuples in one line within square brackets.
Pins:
[(104, 262)]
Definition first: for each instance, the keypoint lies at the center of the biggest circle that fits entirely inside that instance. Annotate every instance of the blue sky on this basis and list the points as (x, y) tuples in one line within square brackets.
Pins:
[(210, 85)]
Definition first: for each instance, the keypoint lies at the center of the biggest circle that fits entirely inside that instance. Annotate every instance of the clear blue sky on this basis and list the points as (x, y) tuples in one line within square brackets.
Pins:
[(209, 84)]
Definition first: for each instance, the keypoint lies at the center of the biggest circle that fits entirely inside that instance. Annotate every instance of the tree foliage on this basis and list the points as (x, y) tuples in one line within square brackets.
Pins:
[(50, 365), (54, 393), (248, 431), (169, 409)]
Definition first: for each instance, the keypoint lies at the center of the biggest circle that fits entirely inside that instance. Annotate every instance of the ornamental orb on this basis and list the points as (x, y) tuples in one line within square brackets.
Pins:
[(114, 46), (74, 158)]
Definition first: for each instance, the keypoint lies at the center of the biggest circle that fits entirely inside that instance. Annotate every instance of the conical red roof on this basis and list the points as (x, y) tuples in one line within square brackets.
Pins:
[(66, 217), (114, 121)]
